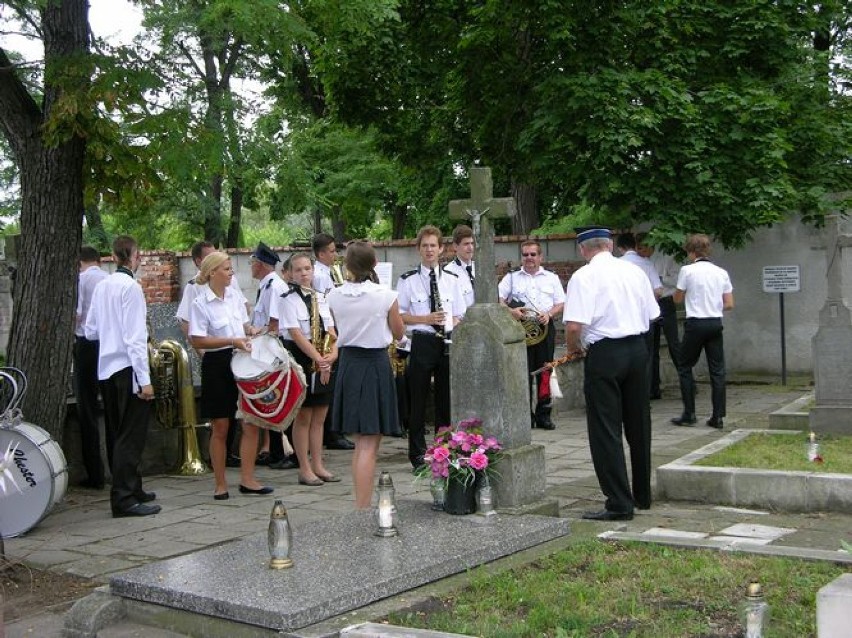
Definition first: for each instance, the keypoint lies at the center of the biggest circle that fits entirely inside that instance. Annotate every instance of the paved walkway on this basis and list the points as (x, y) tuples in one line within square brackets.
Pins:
[(81, 538)]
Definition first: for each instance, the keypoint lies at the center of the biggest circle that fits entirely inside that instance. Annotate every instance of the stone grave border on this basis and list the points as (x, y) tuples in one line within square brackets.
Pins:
[(682, 480)]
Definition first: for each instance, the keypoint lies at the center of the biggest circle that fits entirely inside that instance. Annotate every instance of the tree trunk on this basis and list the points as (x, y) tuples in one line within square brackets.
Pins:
[(338, 225), (236, 213), (51, 214), (400, 212), (95, 224), (317, 215), (527, 216)]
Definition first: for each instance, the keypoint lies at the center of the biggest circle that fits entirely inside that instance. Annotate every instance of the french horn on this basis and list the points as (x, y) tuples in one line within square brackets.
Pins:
[(534, 331)]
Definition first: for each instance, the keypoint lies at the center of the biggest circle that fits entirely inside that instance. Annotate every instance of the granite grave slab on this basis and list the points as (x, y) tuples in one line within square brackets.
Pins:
[(339, 565)]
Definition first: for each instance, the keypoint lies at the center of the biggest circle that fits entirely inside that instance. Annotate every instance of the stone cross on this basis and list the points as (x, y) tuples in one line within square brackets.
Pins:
[(834, 245), (832, 344), (480, 210)]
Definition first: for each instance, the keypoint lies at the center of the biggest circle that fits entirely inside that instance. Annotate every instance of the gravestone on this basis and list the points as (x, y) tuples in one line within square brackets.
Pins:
[(832, 344), (488, 360)]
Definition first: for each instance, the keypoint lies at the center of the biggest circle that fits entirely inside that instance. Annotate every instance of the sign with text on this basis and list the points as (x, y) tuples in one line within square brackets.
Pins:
[(781, 279)]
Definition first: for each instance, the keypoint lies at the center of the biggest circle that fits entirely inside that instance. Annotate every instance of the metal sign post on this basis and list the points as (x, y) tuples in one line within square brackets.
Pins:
[(782, 279)]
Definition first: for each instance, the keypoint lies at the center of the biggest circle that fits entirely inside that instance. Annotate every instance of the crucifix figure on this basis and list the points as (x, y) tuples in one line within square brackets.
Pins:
[(480, 210), (834, 245)]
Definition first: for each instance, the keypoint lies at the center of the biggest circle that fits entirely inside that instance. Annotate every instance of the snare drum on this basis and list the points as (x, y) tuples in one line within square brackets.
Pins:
[(39, 470)]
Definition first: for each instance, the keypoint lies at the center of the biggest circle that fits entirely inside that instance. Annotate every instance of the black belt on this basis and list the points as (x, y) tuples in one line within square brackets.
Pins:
[(415, 333)]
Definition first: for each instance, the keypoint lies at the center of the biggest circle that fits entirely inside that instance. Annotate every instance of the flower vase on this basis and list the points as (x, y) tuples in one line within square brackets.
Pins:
[(460, 498)]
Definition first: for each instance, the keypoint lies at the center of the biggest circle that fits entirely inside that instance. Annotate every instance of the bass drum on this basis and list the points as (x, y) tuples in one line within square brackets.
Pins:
[(39, 470)]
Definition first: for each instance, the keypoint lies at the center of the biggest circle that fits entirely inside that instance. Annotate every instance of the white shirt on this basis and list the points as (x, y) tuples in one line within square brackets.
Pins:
[(191, 289), (540, 291), (211, 316), (86, 282), (270, 287), (704, 284), (458, 267), (668, 269), (414, 298), (322, 278), (361, 313), (611, 298), (293, 313), (632, 257), (117, 318)]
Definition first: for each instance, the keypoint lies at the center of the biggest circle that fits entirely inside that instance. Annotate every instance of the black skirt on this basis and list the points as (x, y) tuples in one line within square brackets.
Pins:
[(365, 394), (219, 392), (312, 398)]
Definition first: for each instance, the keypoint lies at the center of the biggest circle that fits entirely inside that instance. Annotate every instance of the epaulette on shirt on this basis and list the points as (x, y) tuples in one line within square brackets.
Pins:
[(449, 272), (408, 274), (291, 288), (515, 269)]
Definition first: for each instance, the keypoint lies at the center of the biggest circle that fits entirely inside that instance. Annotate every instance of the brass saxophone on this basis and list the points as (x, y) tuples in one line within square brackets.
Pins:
[(322, 340), (174, 398)]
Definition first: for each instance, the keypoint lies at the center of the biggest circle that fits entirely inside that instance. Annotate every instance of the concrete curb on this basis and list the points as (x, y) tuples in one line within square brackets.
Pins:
[(681, 480)]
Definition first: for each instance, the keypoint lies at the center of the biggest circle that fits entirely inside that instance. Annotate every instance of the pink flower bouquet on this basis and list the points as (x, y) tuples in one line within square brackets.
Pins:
[(460, 452)]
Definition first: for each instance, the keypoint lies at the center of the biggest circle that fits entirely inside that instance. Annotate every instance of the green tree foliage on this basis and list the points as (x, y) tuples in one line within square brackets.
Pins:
[(714, 116)]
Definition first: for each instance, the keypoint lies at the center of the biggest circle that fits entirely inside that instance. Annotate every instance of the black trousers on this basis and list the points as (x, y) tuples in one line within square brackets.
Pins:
[(616, 390), (126, 432), (667, 325), (86, 394), (537, 356), (428, 360), (698, 335)]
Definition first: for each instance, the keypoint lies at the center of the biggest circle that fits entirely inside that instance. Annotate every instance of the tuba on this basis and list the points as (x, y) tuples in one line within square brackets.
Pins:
[(339, 276), (174, 398)]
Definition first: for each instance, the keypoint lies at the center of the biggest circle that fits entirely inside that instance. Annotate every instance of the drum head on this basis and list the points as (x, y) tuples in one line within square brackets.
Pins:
[(244, 367), (39, 470)]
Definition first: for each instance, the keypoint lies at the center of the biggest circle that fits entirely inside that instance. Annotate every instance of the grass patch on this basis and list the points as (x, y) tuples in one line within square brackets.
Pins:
[(605, 589), (764, 451)]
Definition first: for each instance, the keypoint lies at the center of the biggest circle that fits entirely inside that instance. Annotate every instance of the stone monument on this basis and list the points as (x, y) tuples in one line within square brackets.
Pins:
[(488, 360), (832, 344)]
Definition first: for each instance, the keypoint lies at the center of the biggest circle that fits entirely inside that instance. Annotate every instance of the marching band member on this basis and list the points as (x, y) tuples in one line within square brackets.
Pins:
[(218, 324), (325, 254), (430, 304), (303, 338), (533, 287), (463, 265), (367, 318), (116, 320)]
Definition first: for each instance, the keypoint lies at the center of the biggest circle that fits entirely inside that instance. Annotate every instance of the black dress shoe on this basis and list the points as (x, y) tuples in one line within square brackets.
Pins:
[(260, 491), (340, 443), (546, 425), (715, 423), (608, 515), (140, 509), (262, 459), (287, 463), (685, 419), (224, 496), (232, 461), (146, 497)]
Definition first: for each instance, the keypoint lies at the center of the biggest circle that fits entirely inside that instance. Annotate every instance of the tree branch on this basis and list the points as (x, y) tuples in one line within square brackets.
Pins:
[(20, 115), (191, 59), (233, 57)]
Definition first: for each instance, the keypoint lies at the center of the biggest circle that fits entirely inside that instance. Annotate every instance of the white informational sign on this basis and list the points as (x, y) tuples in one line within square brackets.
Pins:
[(384, 269), (781, 279)]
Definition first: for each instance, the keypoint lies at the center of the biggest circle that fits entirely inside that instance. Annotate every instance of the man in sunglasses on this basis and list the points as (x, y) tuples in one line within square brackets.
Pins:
[(533, 293)]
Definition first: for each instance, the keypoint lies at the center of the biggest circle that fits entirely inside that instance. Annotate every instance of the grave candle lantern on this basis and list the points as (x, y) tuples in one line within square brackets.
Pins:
[(280, 537), (485, 498), (755, 611), (386, 506), (438, 489)]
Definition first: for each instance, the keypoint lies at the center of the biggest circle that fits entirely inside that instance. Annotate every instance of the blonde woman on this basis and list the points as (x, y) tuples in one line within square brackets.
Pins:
[(218, 324), (367, 318), (295, 324)]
